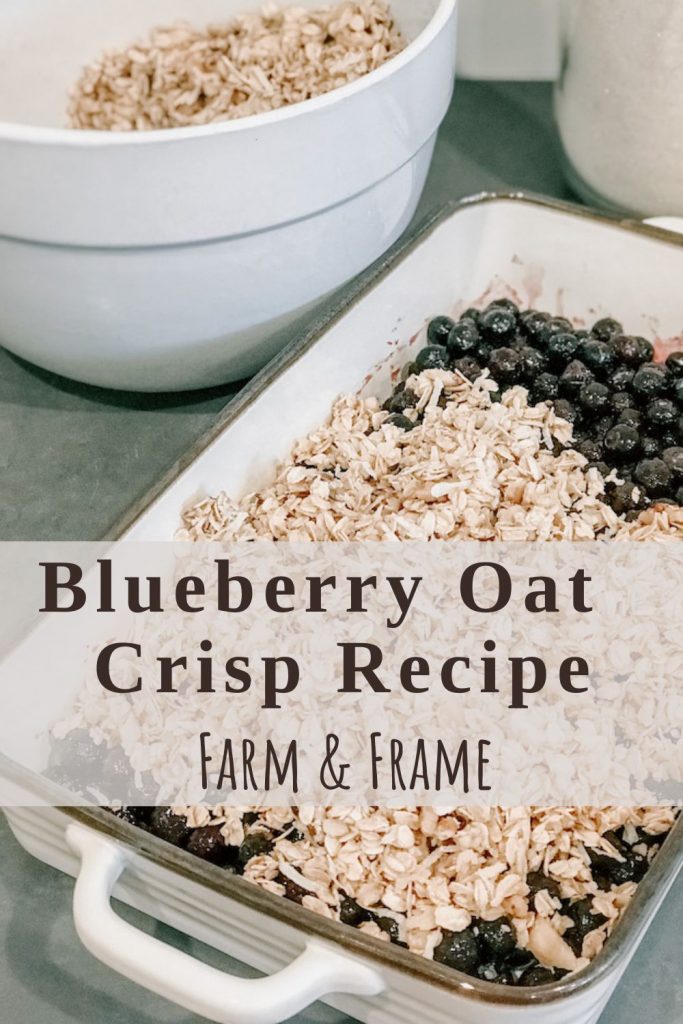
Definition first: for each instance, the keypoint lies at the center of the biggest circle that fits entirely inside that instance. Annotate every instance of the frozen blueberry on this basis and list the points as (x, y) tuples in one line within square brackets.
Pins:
[(388, 925), (532, 323), (677, 390), (598, 356), (254, 845), (620, 401), (293, 892), (574, 378), (533, 362), (556, 325), (439, 330), (654, 475), (561, 349), (591, 449), (594, 399), (606, 329), (169, 826), (402, 400), (432, 357), (458, 950), (352, 913), (208, 843), (76, 753), (498, 323), (674, 460), (545, 388), (463, 339), (674, 364), (138, 816), (649, 382), (621, 378), (566, 411), (505, 365), (505, 304), (537, 976), (628, 350), (468, 367), (624, 498), (633, 417), (397, 419), (498, 937), (662, 413), (649, 446), (621, 442)]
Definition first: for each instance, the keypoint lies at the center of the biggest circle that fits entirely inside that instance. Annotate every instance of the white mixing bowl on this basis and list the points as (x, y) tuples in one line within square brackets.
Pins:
[(181, 258)]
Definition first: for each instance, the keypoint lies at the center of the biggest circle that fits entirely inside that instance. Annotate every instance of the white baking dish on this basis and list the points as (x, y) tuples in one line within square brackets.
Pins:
[(552, 255), (179, 258)]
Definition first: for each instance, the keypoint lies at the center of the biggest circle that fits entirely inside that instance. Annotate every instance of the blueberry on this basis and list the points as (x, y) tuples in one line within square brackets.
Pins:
[(649, 382), (470, 314), (561, 349), (566, 411), (293, 892), (623, 499), (352, 913), (209, 844), (463, 339), (556, 325), (458, 950), (654, 475), (389, 926), (508, 304), (599, 428), (532, 323), (505, 365), (621, 378), (621, 442), (649, 446), (633, 417), (498, 937), (674, 460), (677, 390), (533, 362), (606, 329), (574, 378), (482, 353), (591, 450), (402, 400), (439, 329), (498, 323), (468, 367), (432, 357), (537, 976), (74, 756), (545, 388), (408, 371), (646, 350), (598, 356), (674, 364), (662, 413), (397, 419), (138, 816), (679, 496), (620, 401), (602, 468), (594, 399), (628, 350), (254, 845), (169, 826)]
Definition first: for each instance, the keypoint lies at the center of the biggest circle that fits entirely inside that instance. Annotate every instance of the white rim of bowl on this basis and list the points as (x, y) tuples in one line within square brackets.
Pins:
[(17, 132)]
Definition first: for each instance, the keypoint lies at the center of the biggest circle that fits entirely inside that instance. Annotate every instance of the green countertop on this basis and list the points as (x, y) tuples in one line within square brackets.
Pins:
[(72, 458)]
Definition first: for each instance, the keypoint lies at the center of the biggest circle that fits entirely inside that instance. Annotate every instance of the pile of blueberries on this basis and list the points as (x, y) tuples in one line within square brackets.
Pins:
[(627, 410), (487, 949)]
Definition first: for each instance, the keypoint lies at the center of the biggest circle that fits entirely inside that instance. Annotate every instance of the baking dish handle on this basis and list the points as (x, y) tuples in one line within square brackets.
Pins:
[(175, 975)]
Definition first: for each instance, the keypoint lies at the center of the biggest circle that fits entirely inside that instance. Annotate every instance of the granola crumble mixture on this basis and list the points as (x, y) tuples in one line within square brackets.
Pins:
[(472, 468)]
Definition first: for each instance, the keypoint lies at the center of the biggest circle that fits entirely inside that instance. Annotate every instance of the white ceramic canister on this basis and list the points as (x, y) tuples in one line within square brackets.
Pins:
[(619, 103)]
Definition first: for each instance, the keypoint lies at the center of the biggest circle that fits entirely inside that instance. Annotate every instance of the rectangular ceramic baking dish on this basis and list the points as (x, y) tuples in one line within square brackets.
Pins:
[(557, 257)]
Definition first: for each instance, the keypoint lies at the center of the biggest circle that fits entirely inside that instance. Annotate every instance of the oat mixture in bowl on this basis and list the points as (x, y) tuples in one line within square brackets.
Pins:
[(510, 426), (182, 76)]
